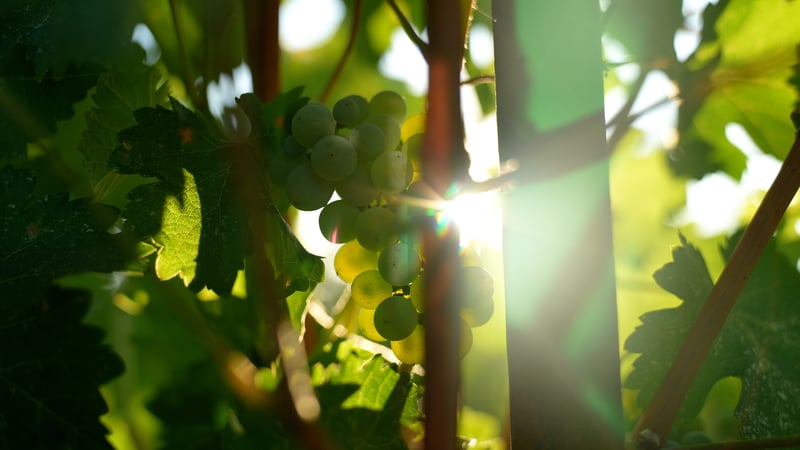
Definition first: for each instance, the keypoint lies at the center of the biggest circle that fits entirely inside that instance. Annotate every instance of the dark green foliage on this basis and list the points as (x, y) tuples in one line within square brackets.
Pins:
[(758, 344), (50, 367)]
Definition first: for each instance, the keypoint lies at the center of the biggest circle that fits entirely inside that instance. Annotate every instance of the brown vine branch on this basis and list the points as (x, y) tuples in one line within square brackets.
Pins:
[(423, 46), (444, 165), (263, 49), (337, 72), (663, 409), (751, 444)]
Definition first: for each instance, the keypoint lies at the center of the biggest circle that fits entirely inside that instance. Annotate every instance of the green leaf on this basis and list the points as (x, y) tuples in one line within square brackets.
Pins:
[(741, 77), (45, 238), (192, 214), (364, 398), (126, 87), (758, 343), (51, 366), (53, 34), (645, 27)]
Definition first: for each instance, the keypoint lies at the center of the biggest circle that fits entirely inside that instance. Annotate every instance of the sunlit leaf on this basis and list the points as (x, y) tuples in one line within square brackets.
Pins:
[(758, 344)]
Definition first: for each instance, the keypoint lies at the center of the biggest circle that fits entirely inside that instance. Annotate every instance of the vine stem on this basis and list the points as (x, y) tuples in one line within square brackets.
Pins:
[(263, 49), (423, 47), (663, 408), (337, 72), (444, 165)]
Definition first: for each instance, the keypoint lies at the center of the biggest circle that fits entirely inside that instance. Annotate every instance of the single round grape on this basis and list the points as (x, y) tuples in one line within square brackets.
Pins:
[(369, 289), (311, 123), (369, 141), (333, 158), (389, 103), (358, 188), (350, 110), (366, 322), (292, 147), (478, 287), (390, 128), (478, 315), (351, 259), (375, 228), (412, 147), (337, 221), (399, 264), (306, 190), (396, 318), (281, 164), (411, 350), (391, 172)]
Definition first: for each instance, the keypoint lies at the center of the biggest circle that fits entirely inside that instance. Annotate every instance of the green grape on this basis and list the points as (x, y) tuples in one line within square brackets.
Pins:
[(333, 158), (311, 123), (695, 438), (337, 221), (366, 322), (390, 128), (292, 147), (350, 110), (375, 228), (369, 289), (389, 103), (478, 315), (391, 172), (369, 141), (399, 264), (281, 164), (358, 188), (395, 318), (306, 190), (417, 292), (412, 147), (351, 259), (478, 287), (411, 350)]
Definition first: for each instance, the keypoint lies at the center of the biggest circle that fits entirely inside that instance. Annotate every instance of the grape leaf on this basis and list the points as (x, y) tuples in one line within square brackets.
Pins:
[(364, 399), (192, 214), (758, 343), (737, 75), (50, 363), (646, 28), (50, 368), (126, 87), (32, 106), (44, 238), (53, 34)]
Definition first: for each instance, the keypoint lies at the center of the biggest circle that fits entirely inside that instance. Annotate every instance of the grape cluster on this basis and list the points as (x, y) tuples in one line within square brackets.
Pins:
[(355, 149)]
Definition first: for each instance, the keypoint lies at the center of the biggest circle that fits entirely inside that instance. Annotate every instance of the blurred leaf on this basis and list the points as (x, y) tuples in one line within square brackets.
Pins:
[(758, 344), (738, 75), (364, 398), (51, 366), (126, 87), (54, 34), (45, 238), (646, 28)]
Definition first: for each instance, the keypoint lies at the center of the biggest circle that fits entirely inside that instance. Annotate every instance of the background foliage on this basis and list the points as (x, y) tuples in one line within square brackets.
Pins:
[(91, 342)]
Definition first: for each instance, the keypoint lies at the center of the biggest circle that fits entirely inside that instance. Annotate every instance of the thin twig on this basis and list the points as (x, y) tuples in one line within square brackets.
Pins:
[(409, 29), (663, 408), (186, 68), (619, 120), (337, 72), (480, 79)]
